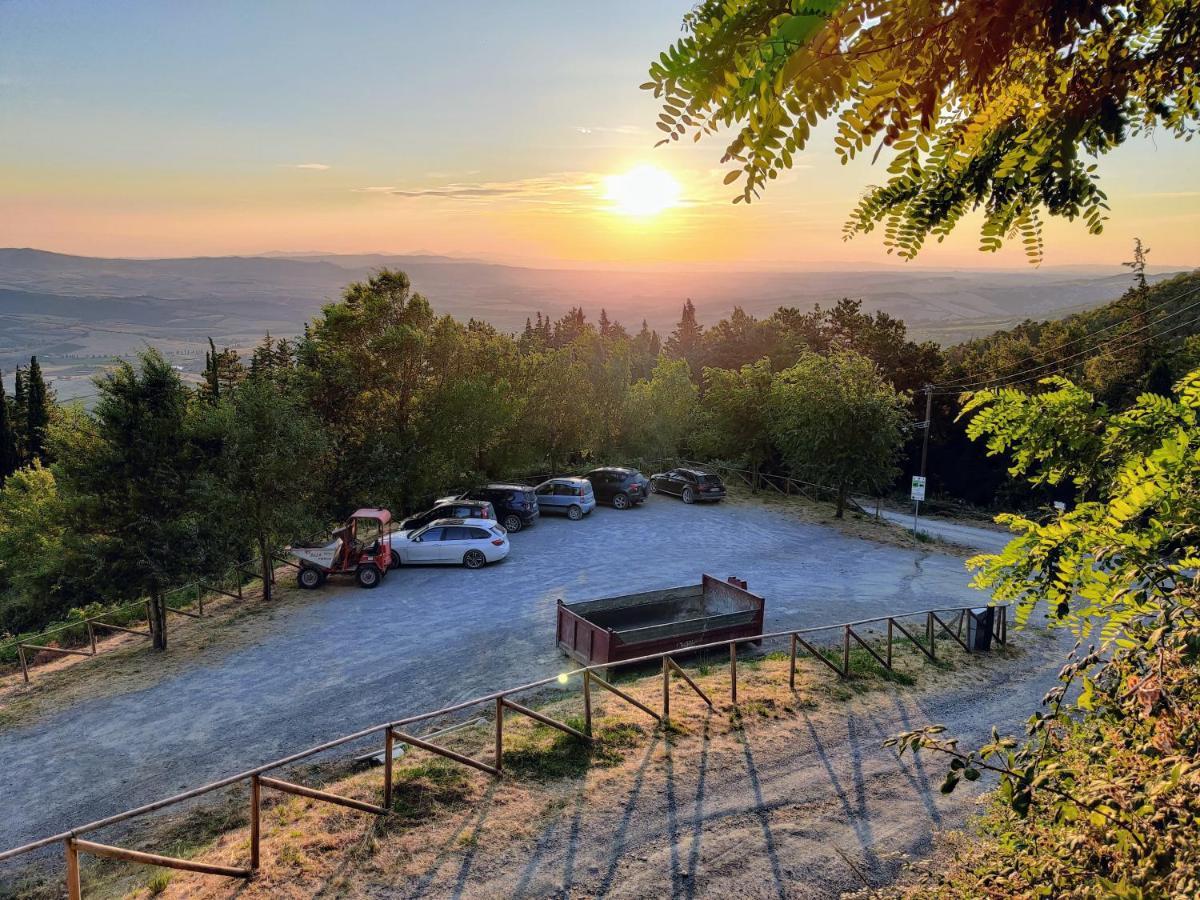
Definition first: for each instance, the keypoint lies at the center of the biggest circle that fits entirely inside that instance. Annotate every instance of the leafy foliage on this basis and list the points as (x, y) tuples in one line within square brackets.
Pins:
[(982, 104), (1103, 796), (837, 421), (126, 482)]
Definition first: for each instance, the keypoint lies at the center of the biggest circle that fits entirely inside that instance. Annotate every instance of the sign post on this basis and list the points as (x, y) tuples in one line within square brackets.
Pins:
[(918, 494)]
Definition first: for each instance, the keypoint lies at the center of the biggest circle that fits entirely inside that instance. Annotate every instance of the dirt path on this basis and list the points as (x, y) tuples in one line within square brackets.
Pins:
[(810, 808)]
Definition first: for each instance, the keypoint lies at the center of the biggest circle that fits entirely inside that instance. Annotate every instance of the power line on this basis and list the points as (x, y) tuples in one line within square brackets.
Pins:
[(954, 382), (1111, 342), (1035, 377)]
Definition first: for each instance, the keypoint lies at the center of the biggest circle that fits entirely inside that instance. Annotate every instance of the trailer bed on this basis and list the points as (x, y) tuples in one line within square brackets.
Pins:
[(617, 628)]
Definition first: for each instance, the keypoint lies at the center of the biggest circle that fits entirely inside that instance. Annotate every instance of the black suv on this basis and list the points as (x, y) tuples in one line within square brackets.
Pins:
[(450, 509), (515, 504), (618, 486), (689, 484)]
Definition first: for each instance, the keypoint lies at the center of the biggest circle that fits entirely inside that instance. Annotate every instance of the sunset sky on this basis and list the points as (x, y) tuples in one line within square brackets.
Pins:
[(506, 131)]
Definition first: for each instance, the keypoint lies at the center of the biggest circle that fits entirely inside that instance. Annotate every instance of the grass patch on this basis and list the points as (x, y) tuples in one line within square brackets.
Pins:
[(420, 791), (158, 882)]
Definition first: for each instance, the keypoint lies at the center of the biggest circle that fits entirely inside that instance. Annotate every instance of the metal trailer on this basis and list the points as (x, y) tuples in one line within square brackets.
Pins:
[(617, 628)]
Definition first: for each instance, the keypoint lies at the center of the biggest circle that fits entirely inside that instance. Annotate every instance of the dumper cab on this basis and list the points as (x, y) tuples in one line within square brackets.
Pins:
[(357, 548)]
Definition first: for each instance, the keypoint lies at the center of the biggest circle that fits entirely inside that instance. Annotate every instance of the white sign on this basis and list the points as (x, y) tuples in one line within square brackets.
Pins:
[(1060, 506), (918, 487)]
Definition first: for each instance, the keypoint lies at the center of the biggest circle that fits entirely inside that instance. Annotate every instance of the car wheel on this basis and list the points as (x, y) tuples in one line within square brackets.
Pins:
[(574, 513), (394, 563), (512, 524), (688, 496), (474, 559), (653, 488), (310, 578), (621, 501), (367, 576)]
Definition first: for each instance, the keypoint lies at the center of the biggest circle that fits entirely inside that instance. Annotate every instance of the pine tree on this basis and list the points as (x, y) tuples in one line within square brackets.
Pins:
[(685, 341), (19, 412), (37, 413), (9, 460), (605, 325)]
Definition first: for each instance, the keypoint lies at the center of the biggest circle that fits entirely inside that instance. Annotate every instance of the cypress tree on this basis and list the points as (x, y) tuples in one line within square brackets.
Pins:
[(9, 460), (37, 413), (19, 413)]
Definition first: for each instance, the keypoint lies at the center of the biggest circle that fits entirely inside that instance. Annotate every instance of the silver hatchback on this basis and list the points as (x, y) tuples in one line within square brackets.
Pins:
[(572, 497)]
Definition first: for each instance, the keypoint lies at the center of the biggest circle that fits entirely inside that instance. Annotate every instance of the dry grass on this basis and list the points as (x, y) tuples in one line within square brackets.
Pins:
[(315, 849)]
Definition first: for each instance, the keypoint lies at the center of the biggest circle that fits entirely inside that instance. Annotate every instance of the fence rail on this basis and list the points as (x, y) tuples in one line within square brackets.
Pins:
[(238, 575), (390, 732)]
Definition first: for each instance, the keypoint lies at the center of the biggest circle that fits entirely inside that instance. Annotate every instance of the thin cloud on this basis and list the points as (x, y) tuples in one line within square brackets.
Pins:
[(608, 129), (560, 188), (382, 189), (314, 167)]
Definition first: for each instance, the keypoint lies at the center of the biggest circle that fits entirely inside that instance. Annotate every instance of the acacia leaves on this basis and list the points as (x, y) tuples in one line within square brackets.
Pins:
[(982, 105)]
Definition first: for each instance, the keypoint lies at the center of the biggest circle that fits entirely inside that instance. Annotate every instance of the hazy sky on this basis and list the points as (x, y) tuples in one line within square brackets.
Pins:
[(484, 129)]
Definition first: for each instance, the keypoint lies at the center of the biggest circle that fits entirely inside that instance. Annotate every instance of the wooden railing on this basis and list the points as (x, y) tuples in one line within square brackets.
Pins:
[(936, 621)]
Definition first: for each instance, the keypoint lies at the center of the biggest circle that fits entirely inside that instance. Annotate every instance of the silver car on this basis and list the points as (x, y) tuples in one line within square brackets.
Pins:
[(469, 542)]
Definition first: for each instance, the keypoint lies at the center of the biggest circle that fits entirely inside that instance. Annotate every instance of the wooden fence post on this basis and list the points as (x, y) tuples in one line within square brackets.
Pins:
[(389, 743), (792, 668), (733, 672), (666, 672), (587, 702), (889, 652), (846, 653), (255, 824), (24, 663), (929, 636), (499, 734), (74, 888), (199, 598), (91, 636)]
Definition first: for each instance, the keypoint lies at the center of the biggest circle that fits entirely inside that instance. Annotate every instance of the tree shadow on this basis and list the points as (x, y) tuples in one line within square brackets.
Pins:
[(854, 810), (446, 851), (762, 813), (618, 838), (698, 810)]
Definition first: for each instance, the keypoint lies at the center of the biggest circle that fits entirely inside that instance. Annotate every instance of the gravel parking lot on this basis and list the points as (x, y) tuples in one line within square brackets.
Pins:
[(432, 636)]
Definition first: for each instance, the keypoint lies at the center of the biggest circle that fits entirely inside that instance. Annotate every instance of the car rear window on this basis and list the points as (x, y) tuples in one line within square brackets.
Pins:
[(708, 479)]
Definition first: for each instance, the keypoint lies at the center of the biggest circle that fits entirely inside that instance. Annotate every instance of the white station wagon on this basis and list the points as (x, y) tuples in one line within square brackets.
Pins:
[(469, 542)]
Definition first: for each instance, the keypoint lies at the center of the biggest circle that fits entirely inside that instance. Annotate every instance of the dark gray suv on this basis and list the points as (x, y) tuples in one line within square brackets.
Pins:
[(618, 486)]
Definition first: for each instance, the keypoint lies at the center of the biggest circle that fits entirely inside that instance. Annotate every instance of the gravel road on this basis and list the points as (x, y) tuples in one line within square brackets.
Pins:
[(429, 637)]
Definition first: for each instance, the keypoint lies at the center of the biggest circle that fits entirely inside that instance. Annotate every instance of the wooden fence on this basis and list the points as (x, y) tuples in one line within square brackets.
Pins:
[(230, 585), (936, 622)]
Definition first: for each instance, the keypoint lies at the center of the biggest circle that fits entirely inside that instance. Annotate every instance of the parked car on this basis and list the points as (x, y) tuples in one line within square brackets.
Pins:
[(469, 542), (689, 484), (619, 486), (572, 496), (516, 505), (450, 509)]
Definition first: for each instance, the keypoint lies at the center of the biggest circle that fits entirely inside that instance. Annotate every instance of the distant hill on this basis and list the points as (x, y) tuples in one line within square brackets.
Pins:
[(77, 313)]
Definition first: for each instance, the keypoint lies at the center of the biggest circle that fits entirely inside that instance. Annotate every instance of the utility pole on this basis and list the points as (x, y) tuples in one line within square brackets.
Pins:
[(925, 427)]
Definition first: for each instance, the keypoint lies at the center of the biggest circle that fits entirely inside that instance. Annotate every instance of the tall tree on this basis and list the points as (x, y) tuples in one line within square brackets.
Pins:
[(128, 482), (37, 412), (735, 422), (837, 421), (661, 411), (9, 459), (687, 340), (983, 105), (267, 473)]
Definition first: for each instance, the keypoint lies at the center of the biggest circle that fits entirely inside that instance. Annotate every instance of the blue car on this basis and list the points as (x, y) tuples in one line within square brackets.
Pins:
[(571, 496)]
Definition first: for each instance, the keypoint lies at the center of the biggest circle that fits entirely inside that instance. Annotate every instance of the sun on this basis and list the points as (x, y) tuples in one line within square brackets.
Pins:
[(642, 191)]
